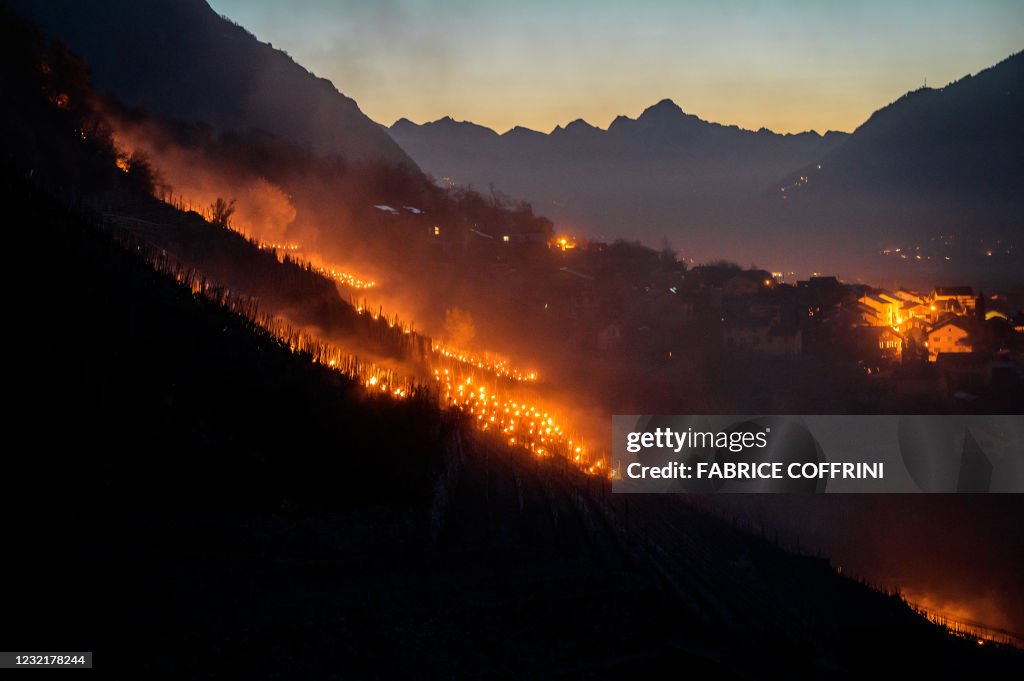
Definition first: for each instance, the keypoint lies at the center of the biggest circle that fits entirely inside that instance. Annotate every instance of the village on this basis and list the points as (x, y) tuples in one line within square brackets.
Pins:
[(633, 305), (967, 341), (951, 344)]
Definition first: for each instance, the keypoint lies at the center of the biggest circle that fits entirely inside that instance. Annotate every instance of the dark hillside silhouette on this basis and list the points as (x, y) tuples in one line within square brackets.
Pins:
[(189, 495), (178, 57), (244, 508), (962, 140), (937, 174)]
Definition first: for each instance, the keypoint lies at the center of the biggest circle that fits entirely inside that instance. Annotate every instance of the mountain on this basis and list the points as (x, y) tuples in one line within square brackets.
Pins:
[(964, 139), (661, 132), (638, 178), (931, 184), (189, 466), (936, 174), (181, 59), (251, 512)]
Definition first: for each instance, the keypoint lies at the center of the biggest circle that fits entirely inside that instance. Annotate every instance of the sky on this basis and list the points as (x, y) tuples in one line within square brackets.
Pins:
[(788, 65)]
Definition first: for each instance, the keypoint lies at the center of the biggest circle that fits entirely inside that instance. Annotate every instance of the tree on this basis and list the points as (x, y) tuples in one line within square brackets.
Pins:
[(143, 179), (221, 212)]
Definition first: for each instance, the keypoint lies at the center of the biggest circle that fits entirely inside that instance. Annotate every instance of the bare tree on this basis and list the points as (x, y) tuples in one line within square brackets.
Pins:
[(221, 212)]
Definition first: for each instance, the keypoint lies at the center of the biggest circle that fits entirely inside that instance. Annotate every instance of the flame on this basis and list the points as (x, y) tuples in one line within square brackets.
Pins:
[(268, 246), (523, 425), (350, 280), (497, 366), (481, 388), (345, 278), (960, 619)]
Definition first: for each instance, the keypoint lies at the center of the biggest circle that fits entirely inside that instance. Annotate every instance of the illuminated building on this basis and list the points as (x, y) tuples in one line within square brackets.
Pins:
[(881, 309), (956, 299), (948, 336)]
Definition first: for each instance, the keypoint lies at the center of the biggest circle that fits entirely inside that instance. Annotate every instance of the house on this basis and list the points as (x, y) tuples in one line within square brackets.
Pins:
[(747, 283), (881, 309), (921, 312), (740, 286), (763, 337), (876, 343), (956, 299), (823, 293), (889, 343), (949, 336), (910, 296)]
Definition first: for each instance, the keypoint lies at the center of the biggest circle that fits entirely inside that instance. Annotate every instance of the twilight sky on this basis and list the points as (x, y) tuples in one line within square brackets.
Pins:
[(789, 65)]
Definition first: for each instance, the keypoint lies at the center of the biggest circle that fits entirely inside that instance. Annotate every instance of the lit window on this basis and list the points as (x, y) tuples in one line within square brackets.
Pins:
[(437, 231)]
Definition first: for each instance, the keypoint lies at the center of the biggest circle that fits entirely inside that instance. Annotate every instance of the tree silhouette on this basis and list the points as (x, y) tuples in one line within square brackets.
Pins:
[(143, 178), (221, 212)]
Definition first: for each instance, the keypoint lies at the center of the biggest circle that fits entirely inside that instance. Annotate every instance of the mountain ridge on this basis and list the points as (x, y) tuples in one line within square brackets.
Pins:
[(659, 111), (184, 60), (929, 133), (644, 177), (933, 163)]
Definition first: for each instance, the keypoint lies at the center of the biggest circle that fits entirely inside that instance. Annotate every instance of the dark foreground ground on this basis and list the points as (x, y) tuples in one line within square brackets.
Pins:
[(187, 499)]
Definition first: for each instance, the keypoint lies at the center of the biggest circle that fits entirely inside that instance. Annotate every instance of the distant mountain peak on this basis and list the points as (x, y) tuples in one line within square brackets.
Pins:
[(666, 108), (448, 121), (580, 124), (576, 127), (523, 132)]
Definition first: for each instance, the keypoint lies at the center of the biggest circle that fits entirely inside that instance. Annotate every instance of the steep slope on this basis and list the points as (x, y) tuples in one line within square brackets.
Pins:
[(250, 513), (965, 139), (178, 57), (198, 499), (929, 188)]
